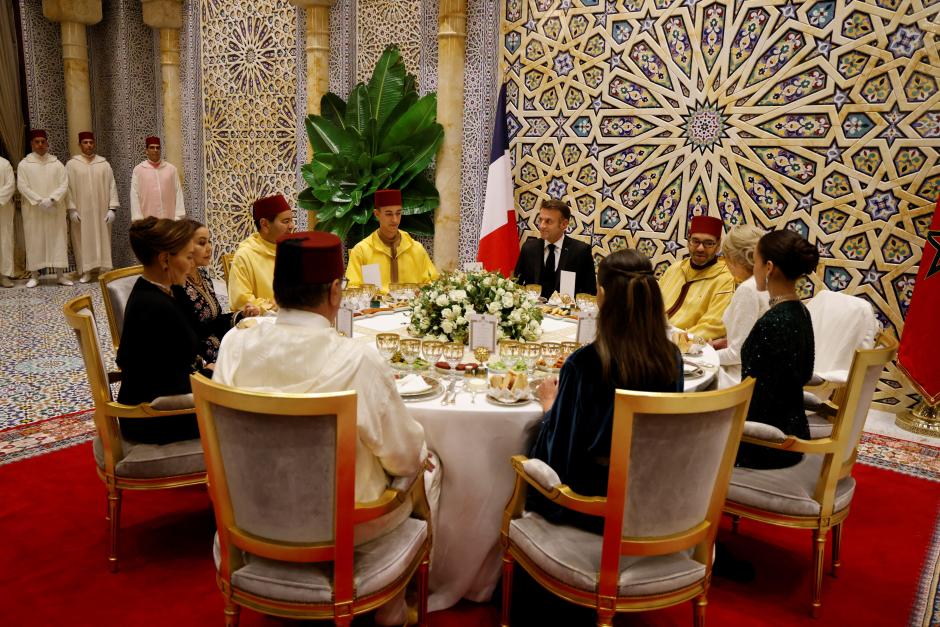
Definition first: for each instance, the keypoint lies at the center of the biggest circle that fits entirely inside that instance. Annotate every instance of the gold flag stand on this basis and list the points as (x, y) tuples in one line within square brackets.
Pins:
[(922, 419)]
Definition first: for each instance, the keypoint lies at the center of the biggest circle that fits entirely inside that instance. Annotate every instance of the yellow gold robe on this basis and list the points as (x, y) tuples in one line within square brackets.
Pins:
[(414, 264), (251, 277), (710, 291)]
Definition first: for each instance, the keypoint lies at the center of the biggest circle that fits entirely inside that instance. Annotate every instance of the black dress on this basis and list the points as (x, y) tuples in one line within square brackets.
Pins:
[(574, 437), (158, 351), (210, 322), (779, 354)]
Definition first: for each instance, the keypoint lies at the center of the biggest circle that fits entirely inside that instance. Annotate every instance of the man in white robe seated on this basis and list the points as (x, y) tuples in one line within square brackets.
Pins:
[(302, 353)]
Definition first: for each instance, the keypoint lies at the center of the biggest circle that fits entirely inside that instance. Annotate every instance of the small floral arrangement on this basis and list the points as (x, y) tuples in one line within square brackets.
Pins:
[(440, 311)]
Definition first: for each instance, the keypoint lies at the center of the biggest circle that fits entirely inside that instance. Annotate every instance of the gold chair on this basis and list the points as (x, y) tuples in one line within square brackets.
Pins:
[(116, 286), (656, 549), (816, 493), (227, 265), (121, 464), (282, 481)]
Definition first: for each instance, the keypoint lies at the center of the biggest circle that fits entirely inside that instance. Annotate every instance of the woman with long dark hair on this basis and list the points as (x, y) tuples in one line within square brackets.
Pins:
[(159, 346), (779, 350), (632, 352)]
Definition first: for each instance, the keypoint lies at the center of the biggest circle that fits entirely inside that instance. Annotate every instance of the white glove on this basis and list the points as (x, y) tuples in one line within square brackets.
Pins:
[(46, 203), (74, 217), (109, 219)]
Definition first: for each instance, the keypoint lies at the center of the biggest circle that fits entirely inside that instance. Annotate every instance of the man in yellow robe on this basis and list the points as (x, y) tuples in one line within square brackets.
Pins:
[(697, 290), (251, 276), (399, 257)]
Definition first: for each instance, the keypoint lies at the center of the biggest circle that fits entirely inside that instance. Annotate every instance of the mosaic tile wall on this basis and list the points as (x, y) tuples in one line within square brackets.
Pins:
[(249, 110), (124, 92), (814, 116)]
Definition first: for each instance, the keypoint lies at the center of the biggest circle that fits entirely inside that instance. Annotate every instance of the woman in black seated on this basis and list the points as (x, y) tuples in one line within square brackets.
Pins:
[(210, 320), (631, 352), (779, 351), (159, 347)]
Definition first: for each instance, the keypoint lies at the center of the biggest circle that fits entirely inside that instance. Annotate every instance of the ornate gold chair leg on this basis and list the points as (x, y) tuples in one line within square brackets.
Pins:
[(231, 613), (114, 524), (507, 588), (836, 549), (735, 521), (699, 604), (819, 556), (423, 592)]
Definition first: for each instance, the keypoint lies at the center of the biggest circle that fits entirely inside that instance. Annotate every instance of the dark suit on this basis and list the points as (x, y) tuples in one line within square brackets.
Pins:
[(575, 256)]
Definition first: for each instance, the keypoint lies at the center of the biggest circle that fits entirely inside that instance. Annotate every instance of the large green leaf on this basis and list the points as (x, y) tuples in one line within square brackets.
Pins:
[(333, 109), (407, 101), (428, 142), (386, 85), (413, 121), (419, 197), (359, 109), (326, 136)]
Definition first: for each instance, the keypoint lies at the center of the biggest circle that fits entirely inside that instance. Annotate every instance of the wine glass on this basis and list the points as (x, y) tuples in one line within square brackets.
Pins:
[(452, 353), (535, 290), (569, 347), (388, 344), (432, 350), (550, 352), (530, 353), (410, 348), (509, 353), (586, 302)]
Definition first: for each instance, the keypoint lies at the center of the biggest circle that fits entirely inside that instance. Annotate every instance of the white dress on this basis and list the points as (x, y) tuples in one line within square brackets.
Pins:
[(746, 306), (39, 178)]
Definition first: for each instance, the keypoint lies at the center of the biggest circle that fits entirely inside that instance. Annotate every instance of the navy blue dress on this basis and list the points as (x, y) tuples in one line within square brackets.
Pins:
[(574, 437)]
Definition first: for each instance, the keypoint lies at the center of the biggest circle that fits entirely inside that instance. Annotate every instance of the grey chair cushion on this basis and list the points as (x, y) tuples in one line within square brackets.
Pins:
[(119, 291), (764, 431), (170, 403), (574, 557), (786, 490), (376, 565), (819, 427), (151, 461)]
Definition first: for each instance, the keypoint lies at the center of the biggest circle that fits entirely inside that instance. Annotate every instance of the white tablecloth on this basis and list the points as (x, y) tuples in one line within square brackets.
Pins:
[(474, 442)]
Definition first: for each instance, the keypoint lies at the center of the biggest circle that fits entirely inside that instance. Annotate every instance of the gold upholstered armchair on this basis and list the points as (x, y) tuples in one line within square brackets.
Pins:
[(817, 492), (116, 286), (282, 471), (121, 464), (670, 461)]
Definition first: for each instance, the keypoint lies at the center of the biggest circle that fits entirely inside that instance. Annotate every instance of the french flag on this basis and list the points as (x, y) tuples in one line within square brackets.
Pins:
[(499, 240)]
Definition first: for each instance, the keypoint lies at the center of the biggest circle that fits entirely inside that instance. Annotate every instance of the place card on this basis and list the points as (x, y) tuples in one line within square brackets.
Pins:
[(371, 275), (483, 331), (567, 283), (344, 321), (587, 327), (473, 266)]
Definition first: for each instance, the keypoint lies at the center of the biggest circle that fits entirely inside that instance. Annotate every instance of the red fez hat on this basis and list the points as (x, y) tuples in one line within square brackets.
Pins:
[(310, 258), (37, 132), (707, 225), (387, 198), (269, 207), (153, 139), (86, 135)]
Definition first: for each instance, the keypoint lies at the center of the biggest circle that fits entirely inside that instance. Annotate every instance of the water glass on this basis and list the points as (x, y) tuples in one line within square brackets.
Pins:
[(452, 354), (550, 351), (586, 302), (432, 350), (530, 353), (510, 353), (569, 347), (410, 348), (388, 344)]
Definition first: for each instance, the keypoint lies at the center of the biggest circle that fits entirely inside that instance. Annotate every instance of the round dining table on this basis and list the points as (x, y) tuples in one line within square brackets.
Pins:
[(474, 440)]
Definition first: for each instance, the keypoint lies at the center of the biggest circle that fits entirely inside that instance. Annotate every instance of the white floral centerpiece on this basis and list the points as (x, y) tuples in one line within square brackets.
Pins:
[(440, 311)]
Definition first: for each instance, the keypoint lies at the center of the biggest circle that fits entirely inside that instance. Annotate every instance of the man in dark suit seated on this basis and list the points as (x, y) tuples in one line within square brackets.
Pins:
[(542, 260)]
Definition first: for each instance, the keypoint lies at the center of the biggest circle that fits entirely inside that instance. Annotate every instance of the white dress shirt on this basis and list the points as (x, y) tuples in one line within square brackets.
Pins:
[(558, 245), (746, 306)]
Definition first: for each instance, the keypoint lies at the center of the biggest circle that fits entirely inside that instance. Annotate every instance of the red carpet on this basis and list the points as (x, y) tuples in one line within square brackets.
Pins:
[(54, 560)]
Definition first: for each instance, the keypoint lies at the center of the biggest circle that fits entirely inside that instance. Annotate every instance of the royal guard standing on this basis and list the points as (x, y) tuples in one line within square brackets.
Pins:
[(155, 187)]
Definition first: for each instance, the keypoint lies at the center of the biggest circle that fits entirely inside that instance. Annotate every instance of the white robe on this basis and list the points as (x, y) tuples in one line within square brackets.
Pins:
[(156, 191), (746, 306), (301, 353), (7, 187), (45, 230), (92, 192)]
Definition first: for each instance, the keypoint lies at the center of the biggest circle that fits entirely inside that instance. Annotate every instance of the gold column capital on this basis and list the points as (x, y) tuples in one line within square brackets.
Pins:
[(163, 13), (306, 4), (85, 12)]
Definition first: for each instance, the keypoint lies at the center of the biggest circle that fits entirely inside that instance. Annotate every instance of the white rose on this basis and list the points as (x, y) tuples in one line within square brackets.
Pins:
[(488, 281), (447, 326), (443, 338), (500, 291), (442, 300), (507, 300), (493, 307), (515, 316), (458, 295), (456, 309), (433, 295), (461, 321)]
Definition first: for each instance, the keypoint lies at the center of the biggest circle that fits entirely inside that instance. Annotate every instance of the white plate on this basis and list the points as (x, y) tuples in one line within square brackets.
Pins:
[(508, 403)]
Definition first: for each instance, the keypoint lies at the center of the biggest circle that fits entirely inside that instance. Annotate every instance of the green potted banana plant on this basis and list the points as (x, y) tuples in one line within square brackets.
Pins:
[(384, 136)]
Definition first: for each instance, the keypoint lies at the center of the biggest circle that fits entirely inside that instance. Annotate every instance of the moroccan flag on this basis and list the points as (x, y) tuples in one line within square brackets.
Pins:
[(919, 355), (499, 240)]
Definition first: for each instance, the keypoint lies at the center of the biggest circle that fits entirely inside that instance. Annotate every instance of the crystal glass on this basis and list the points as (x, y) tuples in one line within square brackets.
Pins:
[(410, 348), (432, 350), (530, 353), (510, 353), (586, 302), (569, 347), (550, 351), (534, 289), (388, 344), (452, 353)]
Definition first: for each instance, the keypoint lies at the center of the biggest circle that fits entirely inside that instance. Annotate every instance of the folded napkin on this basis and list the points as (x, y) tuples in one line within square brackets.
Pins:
[(412, 384)]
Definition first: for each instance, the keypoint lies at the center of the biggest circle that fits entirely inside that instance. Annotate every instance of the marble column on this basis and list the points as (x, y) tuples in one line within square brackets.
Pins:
[(166, 16), (452, 43), (317, 45), (74, 17)]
